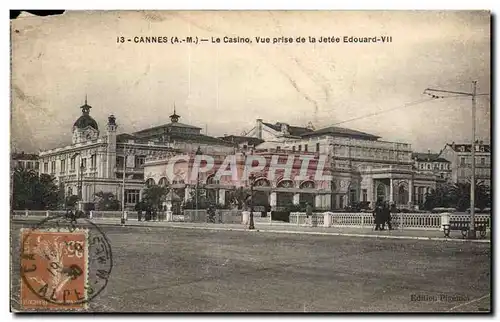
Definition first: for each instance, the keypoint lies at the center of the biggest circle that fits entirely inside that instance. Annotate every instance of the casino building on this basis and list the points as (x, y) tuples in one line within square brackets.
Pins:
[(98, 160), (364, 168)]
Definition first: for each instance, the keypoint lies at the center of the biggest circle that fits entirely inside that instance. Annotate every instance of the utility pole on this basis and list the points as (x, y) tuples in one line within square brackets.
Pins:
[(472, 232), (198, 152), (123, 182), (473, 95), (125, 153)]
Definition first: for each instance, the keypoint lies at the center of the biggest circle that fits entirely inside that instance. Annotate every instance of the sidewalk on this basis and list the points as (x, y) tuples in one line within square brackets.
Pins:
[(285, 228)]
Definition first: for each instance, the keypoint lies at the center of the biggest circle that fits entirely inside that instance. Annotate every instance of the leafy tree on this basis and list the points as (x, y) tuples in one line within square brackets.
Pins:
[(154, 196), (439, 197), (201, 196), (461, 195), (240, 198), (107, 201), (458, 196), (30, 191)]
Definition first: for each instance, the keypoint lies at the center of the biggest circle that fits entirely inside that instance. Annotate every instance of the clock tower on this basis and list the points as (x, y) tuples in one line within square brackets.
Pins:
[(85, 128)]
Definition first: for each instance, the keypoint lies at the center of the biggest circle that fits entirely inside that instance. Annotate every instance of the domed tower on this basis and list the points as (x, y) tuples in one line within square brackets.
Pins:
[(85, 128), (111, 147)]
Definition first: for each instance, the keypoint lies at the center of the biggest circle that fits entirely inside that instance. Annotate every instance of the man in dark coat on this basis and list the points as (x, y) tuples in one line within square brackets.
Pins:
[(378, 215)]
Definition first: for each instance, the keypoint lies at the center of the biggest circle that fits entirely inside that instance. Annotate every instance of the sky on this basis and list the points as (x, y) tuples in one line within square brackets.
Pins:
[(223, 88)]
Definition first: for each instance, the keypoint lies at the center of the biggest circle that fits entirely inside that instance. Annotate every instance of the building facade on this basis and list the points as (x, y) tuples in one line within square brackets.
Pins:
[(363, 168), (25, 161), (460, 158), (431, 163), (107, 162)]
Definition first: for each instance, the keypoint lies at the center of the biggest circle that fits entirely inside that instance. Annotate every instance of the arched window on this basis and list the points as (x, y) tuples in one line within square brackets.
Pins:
[(163, 182), (402, 195), (285, 184), (308, 184), (381, 192), (212, 180), (262, 182), (150, 182)]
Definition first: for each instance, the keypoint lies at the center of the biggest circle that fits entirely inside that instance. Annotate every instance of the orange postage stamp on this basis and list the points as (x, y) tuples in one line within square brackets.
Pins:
[(54, 268)]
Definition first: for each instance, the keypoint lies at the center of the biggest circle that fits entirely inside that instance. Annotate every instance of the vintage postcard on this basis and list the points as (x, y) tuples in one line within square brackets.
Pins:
[(251, 161)]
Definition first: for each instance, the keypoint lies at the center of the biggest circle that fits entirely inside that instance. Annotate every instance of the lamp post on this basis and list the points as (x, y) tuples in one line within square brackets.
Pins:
[(252, 181), (125, 154), (80, 180), (80, 184), (198, 152)]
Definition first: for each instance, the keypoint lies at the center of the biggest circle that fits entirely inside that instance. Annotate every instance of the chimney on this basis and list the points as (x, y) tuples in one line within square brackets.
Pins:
[(284, 128), (259, 128)]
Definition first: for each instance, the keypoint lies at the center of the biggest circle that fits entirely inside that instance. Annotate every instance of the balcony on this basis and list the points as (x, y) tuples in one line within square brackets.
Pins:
[(136, 170)]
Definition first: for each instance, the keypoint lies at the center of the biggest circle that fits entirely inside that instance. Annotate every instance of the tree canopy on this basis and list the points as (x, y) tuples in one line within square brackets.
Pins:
[(33, 191), (107, 201), (154, 196), (458, 196)]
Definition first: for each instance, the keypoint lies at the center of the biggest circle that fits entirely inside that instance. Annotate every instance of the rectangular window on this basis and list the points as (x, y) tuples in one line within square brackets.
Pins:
[(131, 196), (53, 167), (28, 165), (46, 167), (293, 148), (73, 163), (305, 147), (317, 147), (300, 147), (365, 195), (119, 162), (93, 161), (483, 161), (63, 166), (352, 196), (140, 160), (37, 165), (84, 163), (278, 148), (462, 161)]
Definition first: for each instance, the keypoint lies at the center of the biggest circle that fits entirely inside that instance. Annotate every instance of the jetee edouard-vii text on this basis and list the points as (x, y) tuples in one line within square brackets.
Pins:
[(373, 39)]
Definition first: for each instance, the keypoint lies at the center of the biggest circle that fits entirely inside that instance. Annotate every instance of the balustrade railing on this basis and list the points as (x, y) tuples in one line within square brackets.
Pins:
[(399, 220), (427, 221)]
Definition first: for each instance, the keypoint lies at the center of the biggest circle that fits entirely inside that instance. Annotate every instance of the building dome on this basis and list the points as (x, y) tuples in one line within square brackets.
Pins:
[(85, 119)]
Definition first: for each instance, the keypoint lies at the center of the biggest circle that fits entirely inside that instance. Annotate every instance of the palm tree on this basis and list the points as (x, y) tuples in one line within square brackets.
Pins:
[(460, 195), (439, 197)]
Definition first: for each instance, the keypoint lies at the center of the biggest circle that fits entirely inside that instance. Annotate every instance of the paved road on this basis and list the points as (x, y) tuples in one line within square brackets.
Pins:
[(168, 269)]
